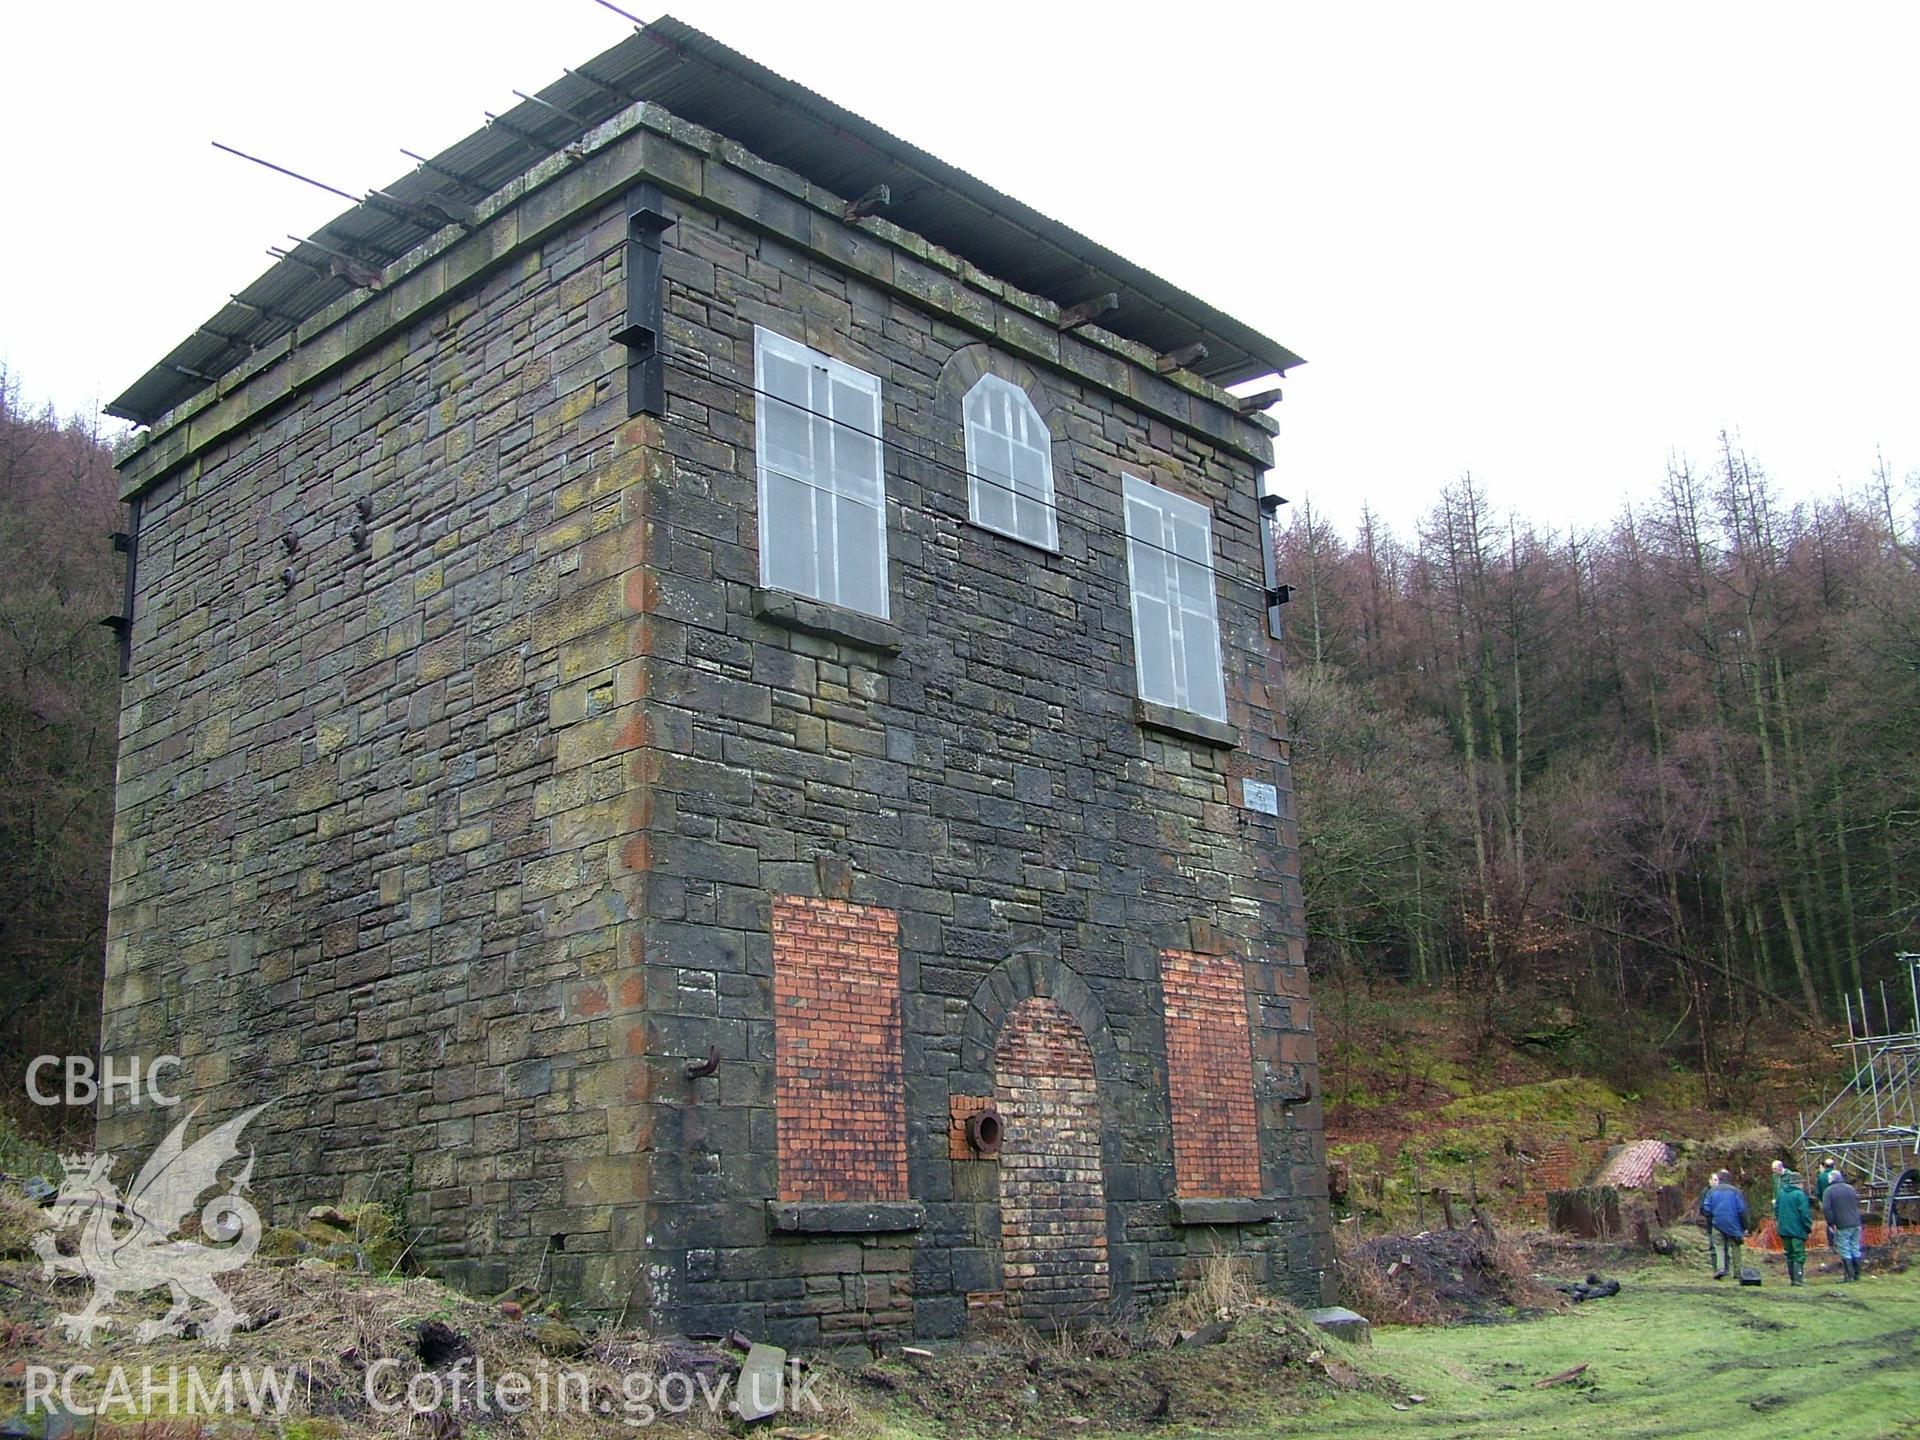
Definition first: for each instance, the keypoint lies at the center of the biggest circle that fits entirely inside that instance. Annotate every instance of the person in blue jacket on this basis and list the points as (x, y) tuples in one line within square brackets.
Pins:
[(1724, 1209)]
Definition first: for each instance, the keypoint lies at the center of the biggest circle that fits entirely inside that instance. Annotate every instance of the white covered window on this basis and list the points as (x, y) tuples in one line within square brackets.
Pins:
[(1176, 630), (823, 493), (1009, 463)]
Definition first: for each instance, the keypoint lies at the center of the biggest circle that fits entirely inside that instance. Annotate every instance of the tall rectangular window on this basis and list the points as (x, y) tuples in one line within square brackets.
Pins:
[(823, 492), (1176, 629)]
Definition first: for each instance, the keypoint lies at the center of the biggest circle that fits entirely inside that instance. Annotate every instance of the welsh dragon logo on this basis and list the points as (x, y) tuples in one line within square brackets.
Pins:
[(128, 1244)]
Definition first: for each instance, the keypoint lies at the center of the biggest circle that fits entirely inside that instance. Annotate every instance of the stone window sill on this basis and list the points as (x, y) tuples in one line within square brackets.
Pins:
[(1189, 1211), (830, 622), (1185, 724), (844, 1217)]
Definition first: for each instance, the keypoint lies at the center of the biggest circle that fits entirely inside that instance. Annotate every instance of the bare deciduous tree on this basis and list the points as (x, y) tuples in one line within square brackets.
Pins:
[(59, 718)]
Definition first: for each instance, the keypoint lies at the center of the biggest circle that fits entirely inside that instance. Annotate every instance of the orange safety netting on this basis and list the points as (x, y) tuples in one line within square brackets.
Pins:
[(1768, 1238)]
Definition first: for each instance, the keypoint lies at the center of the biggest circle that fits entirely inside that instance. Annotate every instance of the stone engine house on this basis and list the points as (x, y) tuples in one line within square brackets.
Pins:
[(700, 714)]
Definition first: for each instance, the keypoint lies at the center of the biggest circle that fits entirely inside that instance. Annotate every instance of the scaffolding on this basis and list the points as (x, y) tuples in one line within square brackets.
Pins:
[(1873, 1125)]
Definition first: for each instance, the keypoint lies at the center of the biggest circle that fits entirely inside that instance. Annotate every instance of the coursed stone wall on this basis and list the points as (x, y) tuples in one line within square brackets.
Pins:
[(377, 780), (467, 846), (977, 767)]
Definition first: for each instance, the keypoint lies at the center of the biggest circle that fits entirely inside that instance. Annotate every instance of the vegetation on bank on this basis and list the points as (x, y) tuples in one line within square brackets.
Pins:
[(1418, 1104)]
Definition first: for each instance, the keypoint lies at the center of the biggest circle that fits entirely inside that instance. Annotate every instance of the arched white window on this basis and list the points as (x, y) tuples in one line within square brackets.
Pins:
[(1009, 463)]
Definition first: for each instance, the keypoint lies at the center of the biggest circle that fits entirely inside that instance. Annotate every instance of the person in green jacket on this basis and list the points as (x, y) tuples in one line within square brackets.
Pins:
[(1793, 1218), (1829, 1172)]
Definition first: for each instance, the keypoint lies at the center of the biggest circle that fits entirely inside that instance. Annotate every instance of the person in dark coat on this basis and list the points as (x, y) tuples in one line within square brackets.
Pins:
[(1841, 1206), (1792, 1219), (1724, 1209)]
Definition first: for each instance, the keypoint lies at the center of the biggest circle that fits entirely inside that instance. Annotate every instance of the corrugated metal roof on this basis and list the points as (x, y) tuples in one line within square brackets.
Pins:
[(699, 79)]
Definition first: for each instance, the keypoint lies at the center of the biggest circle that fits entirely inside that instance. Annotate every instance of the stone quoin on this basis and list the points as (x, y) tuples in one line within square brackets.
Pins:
[(691, 678)]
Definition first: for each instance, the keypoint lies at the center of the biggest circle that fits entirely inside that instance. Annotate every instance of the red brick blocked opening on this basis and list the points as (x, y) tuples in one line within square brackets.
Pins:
[(838, 1095), (1216, 1139), (1053, 1207)]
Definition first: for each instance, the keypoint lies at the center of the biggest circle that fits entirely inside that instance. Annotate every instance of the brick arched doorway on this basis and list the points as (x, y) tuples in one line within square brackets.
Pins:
[(1053, 1206)]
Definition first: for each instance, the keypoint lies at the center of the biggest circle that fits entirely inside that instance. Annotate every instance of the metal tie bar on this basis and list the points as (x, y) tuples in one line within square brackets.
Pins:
[(564, 114), (594, 80), (465, 182)]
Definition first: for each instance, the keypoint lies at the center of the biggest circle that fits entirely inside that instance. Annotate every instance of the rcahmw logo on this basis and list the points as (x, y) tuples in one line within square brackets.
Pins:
[(130, 1244), (85, 1390)]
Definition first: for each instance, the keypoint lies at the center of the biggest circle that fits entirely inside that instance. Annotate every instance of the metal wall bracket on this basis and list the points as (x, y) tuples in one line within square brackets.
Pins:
[(126, 542), (1277, 594), (646, 361)]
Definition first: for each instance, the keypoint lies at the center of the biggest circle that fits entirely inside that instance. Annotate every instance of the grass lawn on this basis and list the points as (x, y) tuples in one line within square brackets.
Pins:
[(1674, 1354)]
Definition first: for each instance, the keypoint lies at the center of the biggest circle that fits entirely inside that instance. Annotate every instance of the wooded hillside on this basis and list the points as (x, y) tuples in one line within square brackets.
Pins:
[(59, 721), (1674, 764)]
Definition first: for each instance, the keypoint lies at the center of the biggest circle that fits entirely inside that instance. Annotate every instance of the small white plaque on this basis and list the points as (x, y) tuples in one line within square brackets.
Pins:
[(1258, 795)]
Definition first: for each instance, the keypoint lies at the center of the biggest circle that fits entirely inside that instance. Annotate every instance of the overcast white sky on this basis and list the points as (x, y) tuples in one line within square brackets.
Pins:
[(1548, 243)]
